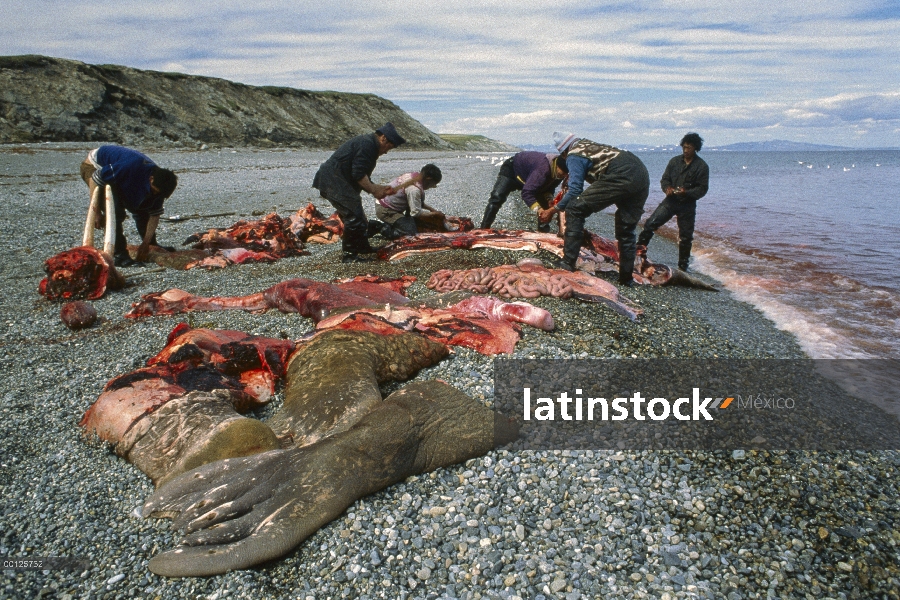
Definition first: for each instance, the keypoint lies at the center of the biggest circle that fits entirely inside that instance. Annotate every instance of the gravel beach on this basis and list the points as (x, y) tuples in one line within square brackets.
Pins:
[(553, 524)]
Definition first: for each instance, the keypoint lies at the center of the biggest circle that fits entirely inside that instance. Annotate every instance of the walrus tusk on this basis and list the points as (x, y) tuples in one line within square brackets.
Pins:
[(109, 239), (93, 209)]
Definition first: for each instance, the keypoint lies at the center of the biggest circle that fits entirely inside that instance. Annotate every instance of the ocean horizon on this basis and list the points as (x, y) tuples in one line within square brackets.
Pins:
[(808, 237)]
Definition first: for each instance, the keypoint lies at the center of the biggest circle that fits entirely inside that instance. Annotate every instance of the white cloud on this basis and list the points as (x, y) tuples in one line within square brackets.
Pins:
[(516, 70)]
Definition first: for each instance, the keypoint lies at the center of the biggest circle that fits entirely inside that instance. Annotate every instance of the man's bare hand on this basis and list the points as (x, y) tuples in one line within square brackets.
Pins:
[(143, 252), (545, 215)]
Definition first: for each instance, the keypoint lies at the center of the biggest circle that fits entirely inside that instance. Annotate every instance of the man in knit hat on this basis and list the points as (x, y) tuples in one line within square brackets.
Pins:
[(343, 177), (616, 177)]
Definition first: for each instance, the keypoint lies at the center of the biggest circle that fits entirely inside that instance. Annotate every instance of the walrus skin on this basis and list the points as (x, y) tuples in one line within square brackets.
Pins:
[(244, 511), (333, 441), (331, 383)]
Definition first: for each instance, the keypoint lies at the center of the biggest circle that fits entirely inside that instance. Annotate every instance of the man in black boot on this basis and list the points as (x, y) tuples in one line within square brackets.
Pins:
[(343, 177), (616, 177), (534, 173), (352, 250), (685, 180)]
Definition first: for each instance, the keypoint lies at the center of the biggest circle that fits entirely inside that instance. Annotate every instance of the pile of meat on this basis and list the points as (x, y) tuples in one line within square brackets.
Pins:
[(274, 237), (265, 240), (82, 273), (372, 304), (193, 360)]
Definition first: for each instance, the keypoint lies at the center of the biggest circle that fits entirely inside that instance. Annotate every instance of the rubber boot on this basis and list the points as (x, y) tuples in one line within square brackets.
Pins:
[(626, 265), (374, 228), (684, 255), (627, 253), (364, 247), (644, 238), (565, 265), (122, 259), (571, 248), (626, 277), (355, 246), (490, 213)]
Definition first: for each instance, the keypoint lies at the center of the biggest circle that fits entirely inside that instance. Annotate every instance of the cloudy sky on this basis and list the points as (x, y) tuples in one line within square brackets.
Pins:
[(618, 72)]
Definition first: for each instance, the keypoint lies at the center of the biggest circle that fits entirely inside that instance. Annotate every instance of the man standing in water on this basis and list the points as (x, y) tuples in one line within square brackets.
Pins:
[(616, 177), (345, 174), (685, 180)]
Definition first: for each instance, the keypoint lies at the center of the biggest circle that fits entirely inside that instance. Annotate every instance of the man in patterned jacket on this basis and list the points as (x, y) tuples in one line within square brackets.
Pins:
[(616, 177)]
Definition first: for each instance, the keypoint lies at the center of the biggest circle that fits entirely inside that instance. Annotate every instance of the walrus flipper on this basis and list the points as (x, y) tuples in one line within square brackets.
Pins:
[(333, 381), (244, 511)]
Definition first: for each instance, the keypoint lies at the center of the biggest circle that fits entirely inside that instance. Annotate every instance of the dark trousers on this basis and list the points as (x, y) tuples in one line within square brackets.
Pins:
[(505, 185), (140, 219), (347, 201), (685, 213), (405, 225), (625, 184)]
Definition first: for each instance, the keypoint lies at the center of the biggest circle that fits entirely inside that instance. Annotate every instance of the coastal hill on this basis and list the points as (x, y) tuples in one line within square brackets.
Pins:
[(44, 99), (476, 143)]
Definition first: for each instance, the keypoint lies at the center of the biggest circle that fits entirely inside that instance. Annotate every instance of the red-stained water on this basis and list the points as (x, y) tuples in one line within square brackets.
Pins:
[(810, 238)]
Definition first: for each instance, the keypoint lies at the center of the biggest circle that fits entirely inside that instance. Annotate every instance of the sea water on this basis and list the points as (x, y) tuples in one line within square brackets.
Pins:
[(810, 238)]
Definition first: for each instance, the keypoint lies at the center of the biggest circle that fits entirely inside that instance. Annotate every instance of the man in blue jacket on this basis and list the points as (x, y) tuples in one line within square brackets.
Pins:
[(343, 177), (139, 186), (536, 174), (685, 180), (616, 177)]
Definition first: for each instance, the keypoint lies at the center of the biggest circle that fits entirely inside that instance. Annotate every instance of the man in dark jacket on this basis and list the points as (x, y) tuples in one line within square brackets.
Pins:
[(345, 174), (536, 174), (616, 177), (685, 180), (139, 186)]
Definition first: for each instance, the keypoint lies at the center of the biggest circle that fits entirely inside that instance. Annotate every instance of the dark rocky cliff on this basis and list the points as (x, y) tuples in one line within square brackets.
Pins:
[(51, 99), (476, 143)]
